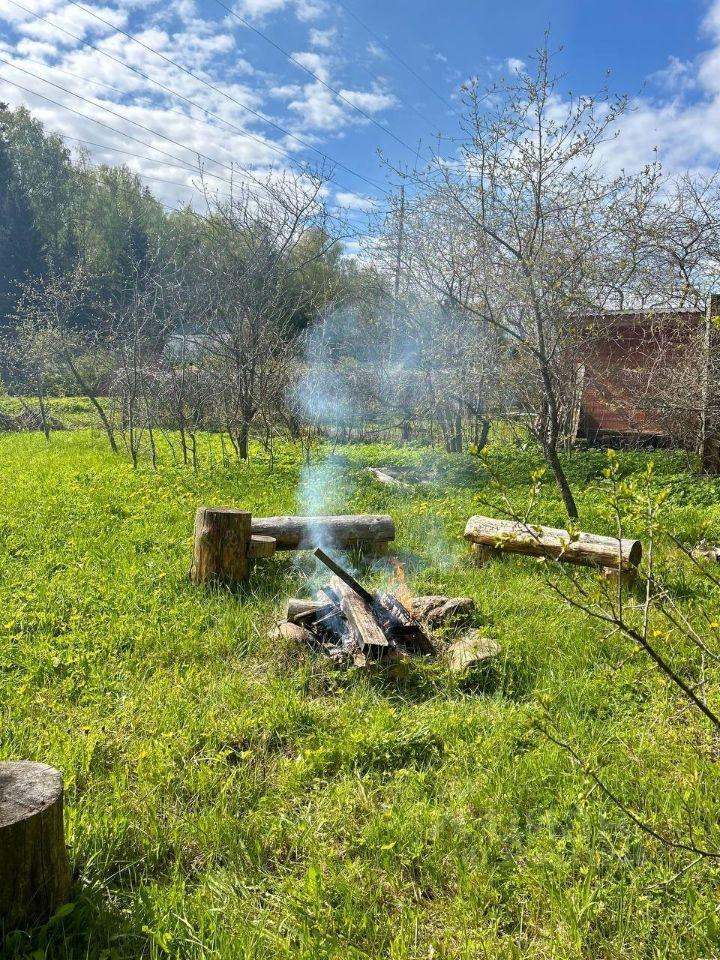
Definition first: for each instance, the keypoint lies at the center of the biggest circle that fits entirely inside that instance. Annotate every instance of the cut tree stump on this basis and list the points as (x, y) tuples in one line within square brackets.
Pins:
[(530, 539), (34, 866), (261, 547), (625, 578), (481, 553), (221, 546)]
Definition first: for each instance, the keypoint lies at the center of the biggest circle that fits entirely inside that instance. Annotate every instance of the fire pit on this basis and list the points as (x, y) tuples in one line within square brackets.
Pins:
[(353, 626)]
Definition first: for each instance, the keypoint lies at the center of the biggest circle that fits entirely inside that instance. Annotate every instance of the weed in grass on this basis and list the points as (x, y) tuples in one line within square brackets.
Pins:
[(228, 797)]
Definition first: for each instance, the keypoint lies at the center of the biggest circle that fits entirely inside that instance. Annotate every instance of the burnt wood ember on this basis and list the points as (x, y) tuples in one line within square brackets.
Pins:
[(360, 615), (352, 624)]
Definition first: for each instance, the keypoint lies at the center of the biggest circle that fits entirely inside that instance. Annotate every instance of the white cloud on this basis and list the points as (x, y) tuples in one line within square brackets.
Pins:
[(376, 51), (354, 201), (515, 65), (309, 9), (258, 10), (323, 39), (74, 20), (371, 101), (683, 121), (677, 75), (211, 49), (36, 48), (317, 62)]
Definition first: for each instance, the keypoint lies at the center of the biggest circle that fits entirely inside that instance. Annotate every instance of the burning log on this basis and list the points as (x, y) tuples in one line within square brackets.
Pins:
[(299, 610), (352, 624), (344, 576), (305, 533), (360, 614), (586, 549)]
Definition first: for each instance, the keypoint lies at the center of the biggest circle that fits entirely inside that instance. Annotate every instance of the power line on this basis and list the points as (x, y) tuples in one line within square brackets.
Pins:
[(122, 133), (179, 113), (216, 89), (307, 70), (100, 123), (136, 156), (394, 54), (147, 129), (113, 113), (265, 143)]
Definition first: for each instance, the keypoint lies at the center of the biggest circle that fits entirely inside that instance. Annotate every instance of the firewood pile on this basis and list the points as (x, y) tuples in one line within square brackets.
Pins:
[(353, 626)]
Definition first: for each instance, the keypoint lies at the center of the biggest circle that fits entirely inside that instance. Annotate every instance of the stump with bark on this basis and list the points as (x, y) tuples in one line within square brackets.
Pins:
[(220, 546), (34, 867)]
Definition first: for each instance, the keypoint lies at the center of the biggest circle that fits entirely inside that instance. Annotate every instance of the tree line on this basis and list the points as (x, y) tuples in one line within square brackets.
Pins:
[(477, 295)]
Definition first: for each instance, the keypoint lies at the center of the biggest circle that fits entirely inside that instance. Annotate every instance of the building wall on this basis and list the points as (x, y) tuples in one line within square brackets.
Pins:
[(632, 364)]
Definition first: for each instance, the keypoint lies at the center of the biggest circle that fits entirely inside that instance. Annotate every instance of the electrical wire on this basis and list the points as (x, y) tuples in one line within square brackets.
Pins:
[(307, 70), (211, 86)]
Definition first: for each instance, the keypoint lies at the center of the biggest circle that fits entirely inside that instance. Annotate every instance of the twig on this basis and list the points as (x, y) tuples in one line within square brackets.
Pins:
[(641, 824)]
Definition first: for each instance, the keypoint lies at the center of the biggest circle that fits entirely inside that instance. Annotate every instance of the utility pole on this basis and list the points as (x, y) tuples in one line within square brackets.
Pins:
[(710, 425), (400, 242)]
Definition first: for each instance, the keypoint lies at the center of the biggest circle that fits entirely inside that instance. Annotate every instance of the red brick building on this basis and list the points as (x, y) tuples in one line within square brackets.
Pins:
[(640, 377)]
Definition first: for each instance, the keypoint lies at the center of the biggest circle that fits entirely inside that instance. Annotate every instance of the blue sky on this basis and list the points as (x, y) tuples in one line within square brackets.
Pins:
[(239, 90)]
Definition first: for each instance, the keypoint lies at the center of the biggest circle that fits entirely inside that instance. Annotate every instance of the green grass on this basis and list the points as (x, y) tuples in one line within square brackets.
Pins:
[(226, 797)]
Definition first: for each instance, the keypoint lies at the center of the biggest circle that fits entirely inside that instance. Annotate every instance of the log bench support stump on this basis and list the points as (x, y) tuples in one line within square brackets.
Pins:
[(34, 867), (481, 554), (623, 578), (226, 541), (489, 536)]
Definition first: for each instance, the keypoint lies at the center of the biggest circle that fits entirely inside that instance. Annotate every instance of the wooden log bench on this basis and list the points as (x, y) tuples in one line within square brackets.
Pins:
[(489, 537), (226, 541), (306, 533)]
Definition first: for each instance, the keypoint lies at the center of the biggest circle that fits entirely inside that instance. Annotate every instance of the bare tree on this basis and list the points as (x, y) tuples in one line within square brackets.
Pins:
[(51, 312), (522, 232), (253, 266)]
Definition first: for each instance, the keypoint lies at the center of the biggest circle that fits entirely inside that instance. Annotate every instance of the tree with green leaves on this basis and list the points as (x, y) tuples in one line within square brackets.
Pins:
[(21, 246)]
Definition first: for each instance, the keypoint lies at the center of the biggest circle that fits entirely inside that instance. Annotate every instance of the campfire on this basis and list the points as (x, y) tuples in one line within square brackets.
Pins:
[(354, 626)]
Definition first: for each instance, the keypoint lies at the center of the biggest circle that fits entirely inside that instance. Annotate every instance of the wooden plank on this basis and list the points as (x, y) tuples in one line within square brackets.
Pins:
[(359, 615)]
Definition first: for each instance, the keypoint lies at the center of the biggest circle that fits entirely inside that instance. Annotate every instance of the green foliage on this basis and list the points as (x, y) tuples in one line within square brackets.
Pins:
[(229, 797), (21, 246)]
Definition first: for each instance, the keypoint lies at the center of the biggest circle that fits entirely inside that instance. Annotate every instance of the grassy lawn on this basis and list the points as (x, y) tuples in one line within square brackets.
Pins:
[(229, 797)]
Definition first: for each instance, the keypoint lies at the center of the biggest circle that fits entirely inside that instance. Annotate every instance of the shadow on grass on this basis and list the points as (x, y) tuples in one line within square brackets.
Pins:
[(85, 927)]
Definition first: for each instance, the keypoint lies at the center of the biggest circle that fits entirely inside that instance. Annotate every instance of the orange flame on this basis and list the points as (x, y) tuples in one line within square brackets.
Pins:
[(402, 590)]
